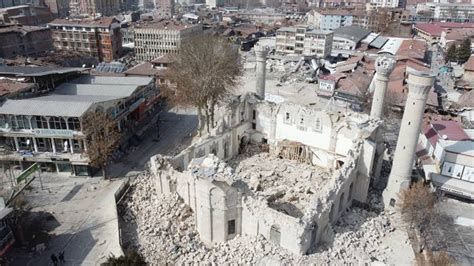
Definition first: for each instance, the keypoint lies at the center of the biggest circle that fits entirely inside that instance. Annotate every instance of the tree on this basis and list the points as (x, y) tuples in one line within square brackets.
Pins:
[(131, 258), (202, 74), (451, 54), (464, 51), (102, 138)]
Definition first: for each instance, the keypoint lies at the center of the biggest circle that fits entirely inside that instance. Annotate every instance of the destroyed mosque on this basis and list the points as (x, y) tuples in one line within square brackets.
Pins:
[(282, 170)]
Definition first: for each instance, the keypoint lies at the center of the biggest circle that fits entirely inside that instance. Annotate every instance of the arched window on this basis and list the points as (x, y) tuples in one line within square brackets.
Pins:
[(57, 123), (40, 122), (74, 123)]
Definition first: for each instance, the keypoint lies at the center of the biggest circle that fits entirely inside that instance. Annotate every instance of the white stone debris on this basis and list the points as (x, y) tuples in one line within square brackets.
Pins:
[(165, 233)]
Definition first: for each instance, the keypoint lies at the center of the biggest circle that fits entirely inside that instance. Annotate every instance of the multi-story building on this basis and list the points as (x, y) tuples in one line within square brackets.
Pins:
[(100, 38), (26, 15), (330, 19), (24, 40), (79, 8), (386, 3), (59, 8), (48, 129), (159, 38), (304, 40), (448, 11)]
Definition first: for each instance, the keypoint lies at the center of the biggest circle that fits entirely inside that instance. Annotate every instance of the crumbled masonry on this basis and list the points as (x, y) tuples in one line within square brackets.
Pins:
[(166, 233)]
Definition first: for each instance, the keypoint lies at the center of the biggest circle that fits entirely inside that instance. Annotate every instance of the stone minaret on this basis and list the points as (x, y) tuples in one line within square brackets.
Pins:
[(419, 85), (261, 58), (384, 66)]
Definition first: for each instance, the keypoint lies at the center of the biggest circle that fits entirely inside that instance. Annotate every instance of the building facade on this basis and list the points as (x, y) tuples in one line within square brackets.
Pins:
[(100, 38), (159, 38), (303, 40), (448, 11), (24, 40), (79, 8), (26, 15), (48, 129), (447, 161), (330, 19)]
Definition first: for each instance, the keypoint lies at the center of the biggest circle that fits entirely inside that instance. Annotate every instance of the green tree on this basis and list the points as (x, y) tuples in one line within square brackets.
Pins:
[(451, 54), (464, 51)]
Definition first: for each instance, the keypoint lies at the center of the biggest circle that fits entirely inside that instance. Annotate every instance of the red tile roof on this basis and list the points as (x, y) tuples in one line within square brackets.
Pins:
[(469, 65), (446, 129), (412, 49), (436, 28), (102, 22)]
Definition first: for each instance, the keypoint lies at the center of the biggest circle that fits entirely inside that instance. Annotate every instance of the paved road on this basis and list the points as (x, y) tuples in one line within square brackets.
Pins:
[(454, 230), (79, 216), (176, 128), (84, 223)]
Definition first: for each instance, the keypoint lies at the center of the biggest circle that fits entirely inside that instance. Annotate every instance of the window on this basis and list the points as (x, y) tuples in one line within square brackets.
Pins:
[(41, 122), (57, 123), (317, 125), (3, 121), (287, 117), (20, 122), (231, 227), (74, 123)]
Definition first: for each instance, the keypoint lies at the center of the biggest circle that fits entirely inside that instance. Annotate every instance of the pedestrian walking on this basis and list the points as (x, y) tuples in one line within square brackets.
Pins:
[(54, 259), (61, 258)]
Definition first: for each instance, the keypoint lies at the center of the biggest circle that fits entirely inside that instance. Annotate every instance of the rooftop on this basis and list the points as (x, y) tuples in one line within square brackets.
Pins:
[(99, 22), (9, 86), (334, 12), (165, 25), (145, 69), (354, 33), (32, 71), (436, 28), (444, 129), (412, 49), (20, 29), (469, 65)]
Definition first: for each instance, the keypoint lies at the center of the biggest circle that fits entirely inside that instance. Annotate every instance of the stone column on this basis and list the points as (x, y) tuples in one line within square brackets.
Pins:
[(419, 86), (384, 66), (261, 58)]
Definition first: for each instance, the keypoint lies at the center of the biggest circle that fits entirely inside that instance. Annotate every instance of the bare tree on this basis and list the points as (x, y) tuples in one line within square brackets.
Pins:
[(102, 139), (203, 73)]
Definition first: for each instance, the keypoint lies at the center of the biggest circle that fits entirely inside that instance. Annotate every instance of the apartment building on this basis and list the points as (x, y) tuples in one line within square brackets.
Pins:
[(24, 40), (387, 3), (100, 38), (48, 129), (330, 19), (304, 40), (448, 11), (26, 15), (154, 39), (79, 8)]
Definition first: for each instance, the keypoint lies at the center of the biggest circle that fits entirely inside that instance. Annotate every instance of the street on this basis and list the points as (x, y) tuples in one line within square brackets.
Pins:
[(77, 215)]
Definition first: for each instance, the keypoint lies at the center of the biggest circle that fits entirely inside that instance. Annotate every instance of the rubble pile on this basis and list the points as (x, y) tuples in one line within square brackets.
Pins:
[(281, 180), (291, 71), (358, 238), (162, 227), (165, 226)]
